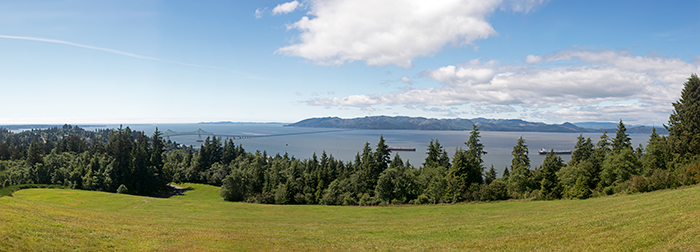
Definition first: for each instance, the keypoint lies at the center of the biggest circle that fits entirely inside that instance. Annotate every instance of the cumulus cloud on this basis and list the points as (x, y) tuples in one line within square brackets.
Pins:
[(392, 31), (585, 85), (406, 80), (285, 8)]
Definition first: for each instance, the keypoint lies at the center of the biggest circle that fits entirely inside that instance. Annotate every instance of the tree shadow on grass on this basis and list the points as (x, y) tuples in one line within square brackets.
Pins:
[(173, 190)]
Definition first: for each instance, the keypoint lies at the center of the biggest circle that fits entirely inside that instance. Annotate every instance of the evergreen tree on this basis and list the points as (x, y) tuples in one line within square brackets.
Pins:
[(684, 122), (622, 139), (157, 150), (34, 154), (119, 147), (437, 156), (475, 152), (519, 180), (656, 155), (584, 150), (506, 173), (490, 175), (549, 185), (467, 167)]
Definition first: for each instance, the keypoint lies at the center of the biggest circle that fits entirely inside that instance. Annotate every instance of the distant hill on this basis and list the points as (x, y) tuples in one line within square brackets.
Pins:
[(484, 124), (631, 129), (230, 122), (421, 123)]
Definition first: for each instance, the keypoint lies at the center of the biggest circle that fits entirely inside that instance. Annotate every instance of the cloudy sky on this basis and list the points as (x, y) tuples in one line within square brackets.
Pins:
[(275, 61)]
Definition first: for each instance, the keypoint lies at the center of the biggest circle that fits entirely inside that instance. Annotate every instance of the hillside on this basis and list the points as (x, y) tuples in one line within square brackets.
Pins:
[(62, 219), (421, 123)]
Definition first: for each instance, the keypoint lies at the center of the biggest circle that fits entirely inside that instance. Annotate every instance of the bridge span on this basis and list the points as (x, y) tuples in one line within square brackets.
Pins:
[(199, 132)]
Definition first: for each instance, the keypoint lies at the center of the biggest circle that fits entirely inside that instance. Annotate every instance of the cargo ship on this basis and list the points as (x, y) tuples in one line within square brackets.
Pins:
[(566, 152), (401, 149)]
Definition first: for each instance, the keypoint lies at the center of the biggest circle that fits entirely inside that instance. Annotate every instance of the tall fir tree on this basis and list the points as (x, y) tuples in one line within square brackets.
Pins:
[(519, 180), (622, 139), (549, 186), (684, 122)]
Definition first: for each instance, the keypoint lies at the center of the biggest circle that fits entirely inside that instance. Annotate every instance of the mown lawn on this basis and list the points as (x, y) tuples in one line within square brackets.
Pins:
[(62, 219)]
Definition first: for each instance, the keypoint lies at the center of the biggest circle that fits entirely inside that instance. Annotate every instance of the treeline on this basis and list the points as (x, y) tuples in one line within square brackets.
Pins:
[(107, 160), (129, 161), (606, 167)]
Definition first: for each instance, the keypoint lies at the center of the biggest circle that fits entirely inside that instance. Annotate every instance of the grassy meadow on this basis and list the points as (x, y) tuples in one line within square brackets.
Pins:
[(63, 219)]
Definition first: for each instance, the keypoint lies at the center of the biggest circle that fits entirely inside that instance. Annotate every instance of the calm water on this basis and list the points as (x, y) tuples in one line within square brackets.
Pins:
[(344, 145)]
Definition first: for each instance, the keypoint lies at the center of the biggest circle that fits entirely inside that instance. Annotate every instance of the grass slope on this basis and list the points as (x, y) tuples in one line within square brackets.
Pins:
[(62, 219)]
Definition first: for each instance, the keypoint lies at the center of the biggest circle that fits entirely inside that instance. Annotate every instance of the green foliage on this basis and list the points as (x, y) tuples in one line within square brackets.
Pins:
[(122, 189), (437, 156), (622, 140), (684, 121), (490, 175), (235, 186), (549, 185), (520, 179), (580, 190), (619, 167)]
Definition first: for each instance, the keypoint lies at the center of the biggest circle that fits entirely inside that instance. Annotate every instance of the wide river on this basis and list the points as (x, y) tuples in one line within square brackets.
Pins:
[(345, 144)]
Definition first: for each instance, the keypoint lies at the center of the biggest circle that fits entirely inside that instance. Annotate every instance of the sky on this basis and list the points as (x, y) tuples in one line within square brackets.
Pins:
[(111, 62)]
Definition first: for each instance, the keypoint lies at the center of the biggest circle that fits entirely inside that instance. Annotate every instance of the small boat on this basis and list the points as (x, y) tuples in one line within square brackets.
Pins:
[(566, 152), (401, 149)]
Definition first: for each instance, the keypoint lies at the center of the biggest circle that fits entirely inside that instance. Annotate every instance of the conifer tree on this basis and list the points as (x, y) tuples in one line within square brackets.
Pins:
[(549, 186), (490, 175), (519, 180), (684, 122), (622, 139)]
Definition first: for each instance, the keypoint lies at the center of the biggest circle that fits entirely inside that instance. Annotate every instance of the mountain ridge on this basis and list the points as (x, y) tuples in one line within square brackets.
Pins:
[(484, 124)]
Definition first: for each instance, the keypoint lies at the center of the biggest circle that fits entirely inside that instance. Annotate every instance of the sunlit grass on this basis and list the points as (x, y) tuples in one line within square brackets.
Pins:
[(62, 219)]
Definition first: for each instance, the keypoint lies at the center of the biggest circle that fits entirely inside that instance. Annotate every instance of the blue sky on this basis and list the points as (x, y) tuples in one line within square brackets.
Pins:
[(84, 62)]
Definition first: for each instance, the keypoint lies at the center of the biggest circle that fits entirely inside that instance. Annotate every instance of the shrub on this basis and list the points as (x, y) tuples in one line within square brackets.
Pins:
[(265, 198), (661, 179), (234, 186), (693, 173), (609, 190), (639, 184), (122, 189), (422, 199), (349, 200)]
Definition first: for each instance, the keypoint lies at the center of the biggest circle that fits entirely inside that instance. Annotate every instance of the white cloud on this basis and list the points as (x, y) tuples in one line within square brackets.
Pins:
[(391, 31), (585, 85), (406, 80), (285, 8), (259, 12), (532, 59)]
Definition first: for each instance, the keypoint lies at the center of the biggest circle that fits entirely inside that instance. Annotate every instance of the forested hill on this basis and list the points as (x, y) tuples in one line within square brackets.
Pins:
[(421, 123)]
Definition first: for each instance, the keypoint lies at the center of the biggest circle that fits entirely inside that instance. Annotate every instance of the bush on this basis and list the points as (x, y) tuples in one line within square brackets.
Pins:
[(661, 179), (497, 190), (366, 200), (639, 184), (265, 198), (609, 190), (349, 200), (122, 189), (234, 186), (580, 190), (692, 172), (422, 199)]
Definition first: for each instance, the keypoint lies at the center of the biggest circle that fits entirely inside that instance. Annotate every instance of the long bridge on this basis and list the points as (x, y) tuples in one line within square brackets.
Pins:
[(199, 132)]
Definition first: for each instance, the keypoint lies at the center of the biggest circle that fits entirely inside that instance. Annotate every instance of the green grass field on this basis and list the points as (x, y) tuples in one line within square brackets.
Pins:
[(63, 219)]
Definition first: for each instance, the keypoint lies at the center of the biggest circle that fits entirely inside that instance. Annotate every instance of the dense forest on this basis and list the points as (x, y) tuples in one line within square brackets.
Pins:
[(126, 161)]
